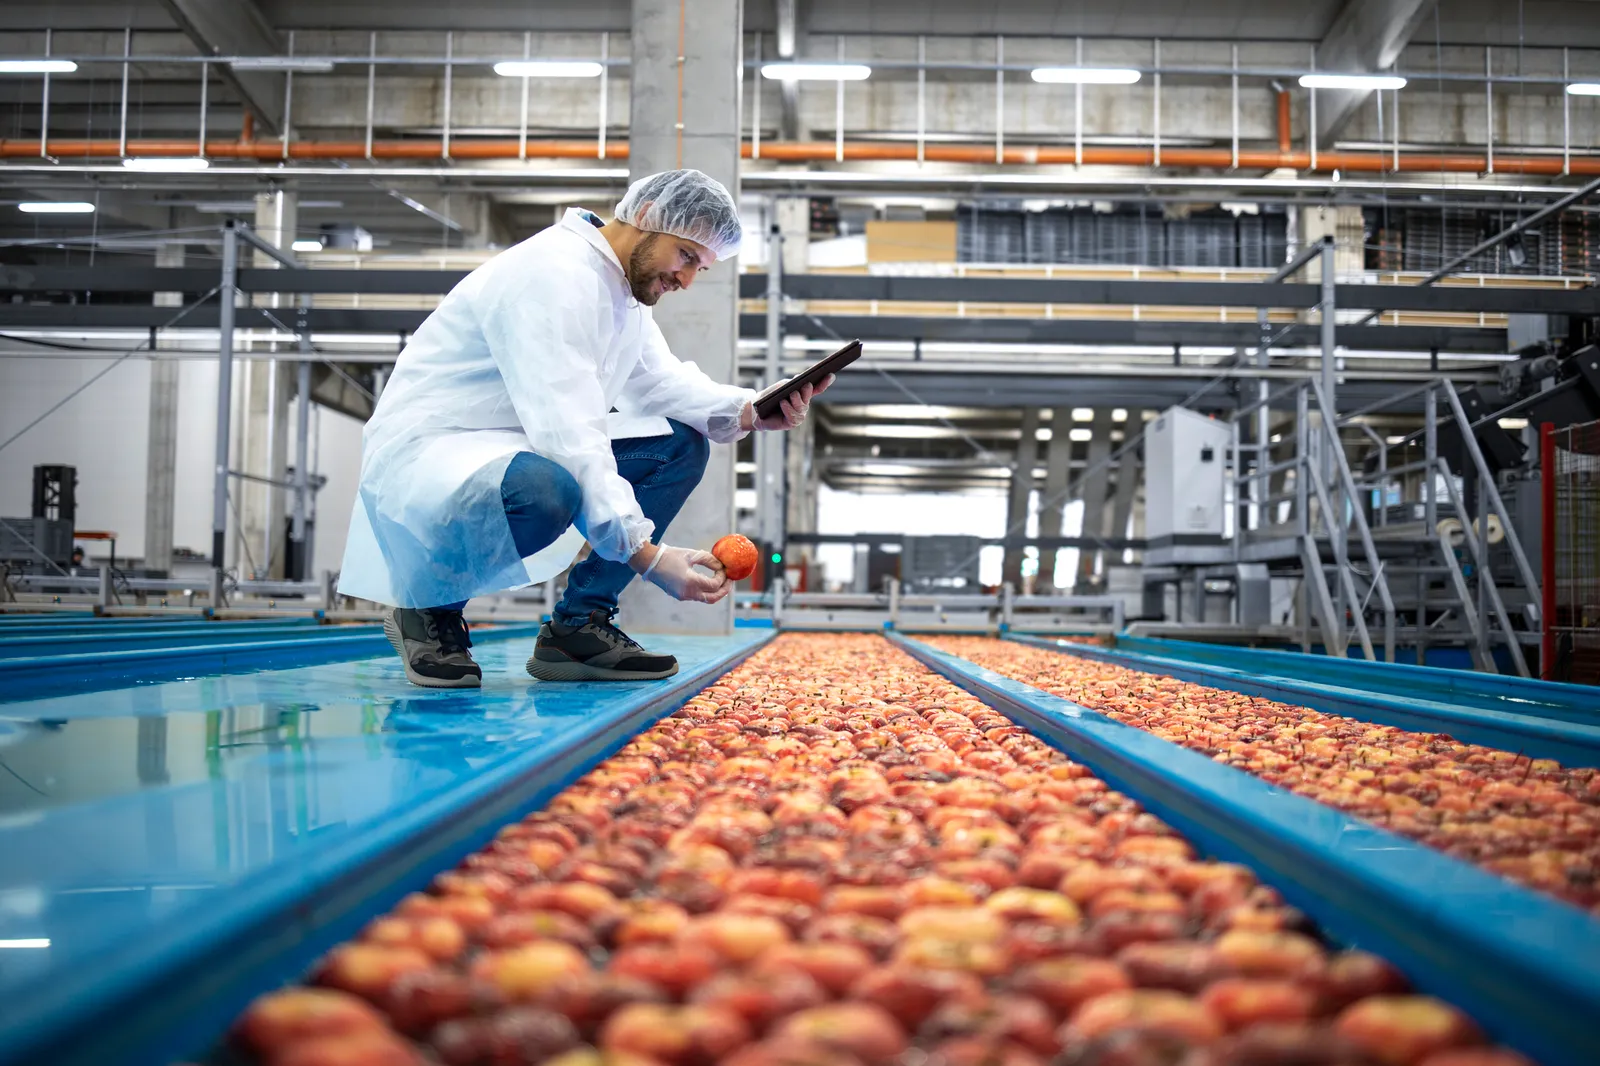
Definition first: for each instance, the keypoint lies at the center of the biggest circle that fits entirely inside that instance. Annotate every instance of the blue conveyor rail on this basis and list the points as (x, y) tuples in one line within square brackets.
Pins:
[(165, 988), (1465, 688), (25, 624), (141, 637), (1526, 966), (1572, 738), (33, 676)]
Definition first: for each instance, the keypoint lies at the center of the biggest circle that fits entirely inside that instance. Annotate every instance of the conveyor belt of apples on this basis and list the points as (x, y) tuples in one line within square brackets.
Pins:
[(832, 854)]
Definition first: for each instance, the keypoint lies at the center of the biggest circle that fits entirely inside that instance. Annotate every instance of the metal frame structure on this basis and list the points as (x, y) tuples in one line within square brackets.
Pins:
[(1388, 157)]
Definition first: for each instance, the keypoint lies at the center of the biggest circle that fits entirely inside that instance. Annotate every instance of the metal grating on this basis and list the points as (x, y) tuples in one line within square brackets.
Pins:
[(1576, 620), (1126, 238)]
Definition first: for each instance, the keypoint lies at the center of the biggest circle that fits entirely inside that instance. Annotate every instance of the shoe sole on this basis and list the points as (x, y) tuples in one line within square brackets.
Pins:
[(543, 670), (392, 631)]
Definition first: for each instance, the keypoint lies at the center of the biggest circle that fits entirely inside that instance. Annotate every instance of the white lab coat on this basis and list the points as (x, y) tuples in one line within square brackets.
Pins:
[(530, 352)]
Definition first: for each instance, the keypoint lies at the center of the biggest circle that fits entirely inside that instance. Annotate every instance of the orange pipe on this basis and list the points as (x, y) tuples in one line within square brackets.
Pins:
[(1283, 121), (801, 151)]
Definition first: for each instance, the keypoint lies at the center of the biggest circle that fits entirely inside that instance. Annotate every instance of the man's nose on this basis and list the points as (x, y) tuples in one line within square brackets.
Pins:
[(686, 276)]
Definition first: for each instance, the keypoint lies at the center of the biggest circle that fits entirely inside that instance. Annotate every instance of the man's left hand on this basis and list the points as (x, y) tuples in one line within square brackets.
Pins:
[(791, 409)]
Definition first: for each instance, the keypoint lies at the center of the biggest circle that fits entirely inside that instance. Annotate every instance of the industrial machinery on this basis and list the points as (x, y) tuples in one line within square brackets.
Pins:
[(42, 542)]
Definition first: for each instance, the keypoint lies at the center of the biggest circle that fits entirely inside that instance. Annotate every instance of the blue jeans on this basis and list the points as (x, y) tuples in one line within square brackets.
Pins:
[(542, 499)]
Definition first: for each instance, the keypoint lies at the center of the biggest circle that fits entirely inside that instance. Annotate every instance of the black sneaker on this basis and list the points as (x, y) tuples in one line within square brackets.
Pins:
[(433, 645), (594, 651)]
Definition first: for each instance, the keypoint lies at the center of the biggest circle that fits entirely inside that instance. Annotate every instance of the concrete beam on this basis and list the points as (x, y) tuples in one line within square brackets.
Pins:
[(237, 28), (1366, 37)]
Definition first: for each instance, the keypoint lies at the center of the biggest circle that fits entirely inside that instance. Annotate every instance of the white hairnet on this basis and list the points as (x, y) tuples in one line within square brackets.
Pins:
[(684, 203)]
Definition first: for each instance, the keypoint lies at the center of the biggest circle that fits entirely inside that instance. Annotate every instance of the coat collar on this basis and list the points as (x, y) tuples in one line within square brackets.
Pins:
[(583, 223)]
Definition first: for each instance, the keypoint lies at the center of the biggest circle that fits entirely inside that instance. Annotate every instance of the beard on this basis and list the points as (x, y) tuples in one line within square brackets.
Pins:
[(642, 277)]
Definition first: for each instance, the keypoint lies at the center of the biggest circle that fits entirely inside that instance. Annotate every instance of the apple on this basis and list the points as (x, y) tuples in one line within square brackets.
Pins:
[(910, 994), (1068, 981), (864, 1030), (736, 938), (290, 1015), (350, 1049), (835, 966), (369, 970), (1271, 954), (679, 1036), (1153, 1010), (1179, 965), (420, 1000), (1243, 1001), (524, 927), (526, 972), (678, 968), (763, 997), (878, 936), (1000, 1019), (1405, 1030)]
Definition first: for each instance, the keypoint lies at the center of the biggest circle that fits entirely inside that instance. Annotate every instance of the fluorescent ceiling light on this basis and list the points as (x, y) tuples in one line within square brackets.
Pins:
[(33, 942), (307, 246), (284, 64), (167, 164), (816, 71), (1085, 75), (1351, 81), (57, 207), (1584, 88), (37, 66), (547, 68)]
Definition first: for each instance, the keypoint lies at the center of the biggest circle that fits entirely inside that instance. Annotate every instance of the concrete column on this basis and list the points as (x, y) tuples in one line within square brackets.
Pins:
[(264, 430), (702, 323), (801, 495), (1127, 479), (1092, 489), (1021, 489), (161, 457), (1345, 224), (1053, 497), (794, 221)]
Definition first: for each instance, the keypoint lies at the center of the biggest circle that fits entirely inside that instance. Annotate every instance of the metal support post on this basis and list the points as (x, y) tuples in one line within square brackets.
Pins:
[(777, 603), (302, 463), (769, 453), (1430, 453), (104, 592), (330, 590), (1008, 604), (894, 601), (214, 591), (227, 293), (1329, 316), (1547, 550)]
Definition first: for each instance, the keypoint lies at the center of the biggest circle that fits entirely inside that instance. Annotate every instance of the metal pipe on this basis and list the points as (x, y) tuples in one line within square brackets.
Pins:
[(226, 295), (1284, 143), (44, 106), (1375, 162)]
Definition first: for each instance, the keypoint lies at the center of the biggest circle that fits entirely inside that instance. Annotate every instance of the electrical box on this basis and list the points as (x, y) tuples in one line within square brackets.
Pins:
[(1185, 461)]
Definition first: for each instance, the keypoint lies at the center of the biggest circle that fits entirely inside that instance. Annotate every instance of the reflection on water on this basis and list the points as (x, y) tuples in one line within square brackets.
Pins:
[(50, 762)]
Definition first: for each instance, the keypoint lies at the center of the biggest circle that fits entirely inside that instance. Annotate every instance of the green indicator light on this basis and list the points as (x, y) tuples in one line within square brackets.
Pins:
[(777, 558)]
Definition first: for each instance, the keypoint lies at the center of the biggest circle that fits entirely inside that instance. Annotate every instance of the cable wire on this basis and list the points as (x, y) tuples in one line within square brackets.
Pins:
[(118, 361)]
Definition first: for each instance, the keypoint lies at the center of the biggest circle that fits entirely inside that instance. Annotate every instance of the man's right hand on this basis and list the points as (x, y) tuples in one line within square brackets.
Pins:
[(673, 571)]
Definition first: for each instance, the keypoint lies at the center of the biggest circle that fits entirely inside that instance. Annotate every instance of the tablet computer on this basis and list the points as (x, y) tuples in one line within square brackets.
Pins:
[(769, 399)]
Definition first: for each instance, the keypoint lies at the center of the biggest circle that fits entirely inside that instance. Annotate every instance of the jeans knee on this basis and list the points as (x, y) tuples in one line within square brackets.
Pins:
[(539, 490), (691, 446)]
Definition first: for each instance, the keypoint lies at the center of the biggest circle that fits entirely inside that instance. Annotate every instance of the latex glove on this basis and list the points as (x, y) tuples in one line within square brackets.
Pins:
[(672, 570), (791, 409)]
